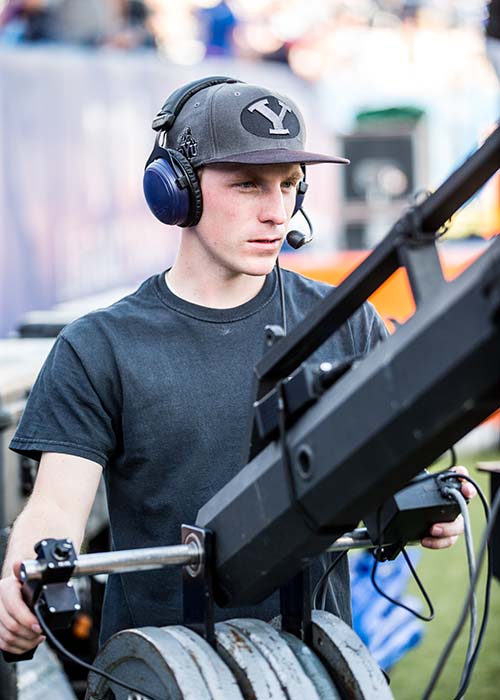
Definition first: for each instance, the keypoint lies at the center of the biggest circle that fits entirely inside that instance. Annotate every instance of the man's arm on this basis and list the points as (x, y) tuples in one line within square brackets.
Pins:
[(59, 507)]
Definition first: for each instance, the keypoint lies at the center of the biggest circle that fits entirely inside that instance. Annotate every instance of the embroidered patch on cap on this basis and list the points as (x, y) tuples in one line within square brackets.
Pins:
[(187, 144), (270, 117)]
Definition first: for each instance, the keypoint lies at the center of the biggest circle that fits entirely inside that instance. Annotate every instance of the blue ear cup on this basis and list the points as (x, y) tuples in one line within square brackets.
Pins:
[(168, 202), (172, 189)]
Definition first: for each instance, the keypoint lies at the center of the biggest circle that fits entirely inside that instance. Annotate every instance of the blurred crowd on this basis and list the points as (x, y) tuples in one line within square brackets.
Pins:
[(187, 30), (122, 23)]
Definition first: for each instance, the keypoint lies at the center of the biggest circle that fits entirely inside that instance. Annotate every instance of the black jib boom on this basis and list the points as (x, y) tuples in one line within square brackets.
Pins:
[(388, 416)]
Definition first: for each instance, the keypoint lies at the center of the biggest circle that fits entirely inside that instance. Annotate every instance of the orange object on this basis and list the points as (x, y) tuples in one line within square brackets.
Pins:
[(82, 626), (393, 299)]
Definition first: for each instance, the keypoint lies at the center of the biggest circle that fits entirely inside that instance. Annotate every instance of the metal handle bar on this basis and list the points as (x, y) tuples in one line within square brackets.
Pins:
[(123, 561)]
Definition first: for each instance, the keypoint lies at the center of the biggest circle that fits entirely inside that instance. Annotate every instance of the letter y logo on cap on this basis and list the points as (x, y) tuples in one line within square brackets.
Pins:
[(276, 119), (270, 117)]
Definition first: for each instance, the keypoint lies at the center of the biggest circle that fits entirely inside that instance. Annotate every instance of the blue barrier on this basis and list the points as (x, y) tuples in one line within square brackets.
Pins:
[(387, 630), (74, 138)]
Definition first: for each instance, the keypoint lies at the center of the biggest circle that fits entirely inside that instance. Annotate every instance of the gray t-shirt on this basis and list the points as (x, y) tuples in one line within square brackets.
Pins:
[(157, 390)]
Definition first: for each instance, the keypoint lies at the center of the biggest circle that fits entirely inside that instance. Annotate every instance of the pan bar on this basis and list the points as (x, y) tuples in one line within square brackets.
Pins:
[(123, 561)]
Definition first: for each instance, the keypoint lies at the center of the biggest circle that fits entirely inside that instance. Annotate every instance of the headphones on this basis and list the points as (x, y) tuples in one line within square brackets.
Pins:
[(171, 186)]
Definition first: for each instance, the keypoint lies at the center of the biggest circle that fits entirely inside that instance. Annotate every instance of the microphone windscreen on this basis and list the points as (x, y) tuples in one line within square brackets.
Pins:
[(296, 239)]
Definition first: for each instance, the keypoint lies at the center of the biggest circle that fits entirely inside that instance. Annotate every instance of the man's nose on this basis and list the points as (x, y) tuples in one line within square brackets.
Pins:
[(273, 207)]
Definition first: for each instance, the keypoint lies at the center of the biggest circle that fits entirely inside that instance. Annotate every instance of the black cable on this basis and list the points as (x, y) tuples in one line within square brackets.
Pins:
[(484, 546), (89, 667), (447, 474), (454, 475), (425, 618), (471, 561), (309, 223), (324, 576), (482, 629), (443, 475), (486, 606), (282, 296)]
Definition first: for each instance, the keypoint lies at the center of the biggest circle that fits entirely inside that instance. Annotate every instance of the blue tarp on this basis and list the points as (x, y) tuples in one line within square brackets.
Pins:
[(74, 137), (387, 630)]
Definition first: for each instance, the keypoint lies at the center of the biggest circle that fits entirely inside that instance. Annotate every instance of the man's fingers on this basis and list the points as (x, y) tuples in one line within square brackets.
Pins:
[(12, 627), (456, 527), (13, 606), (22, 615), (15, 643), (439, 542), (443, 535), (16, 649), (16, 568), (468, 489), (11, 648)]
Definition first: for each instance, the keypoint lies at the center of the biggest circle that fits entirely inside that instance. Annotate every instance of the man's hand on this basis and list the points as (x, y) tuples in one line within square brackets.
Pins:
[(59, 506), (19, 628), (443, 535)]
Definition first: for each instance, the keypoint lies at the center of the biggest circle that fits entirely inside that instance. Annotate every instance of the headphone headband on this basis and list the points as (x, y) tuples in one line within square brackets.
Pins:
[(167, 115)]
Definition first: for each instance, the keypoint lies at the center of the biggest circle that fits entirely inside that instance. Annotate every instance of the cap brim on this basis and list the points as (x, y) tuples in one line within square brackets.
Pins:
[(276, 156)]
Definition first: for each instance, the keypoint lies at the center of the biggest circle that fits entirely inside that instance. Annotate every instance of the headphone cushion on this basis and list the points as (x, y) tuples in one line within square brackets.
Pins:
[(196, 201)]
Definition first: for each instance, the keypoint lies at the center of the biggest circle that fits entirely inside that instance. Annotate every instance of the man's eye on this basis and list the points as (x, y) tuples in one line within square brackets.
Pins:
[(245, 185)]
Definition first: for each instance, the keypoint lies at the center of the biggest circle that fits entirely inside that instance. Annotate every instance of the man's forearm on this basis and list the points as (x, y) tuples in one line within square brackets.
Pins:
[(33, 524)]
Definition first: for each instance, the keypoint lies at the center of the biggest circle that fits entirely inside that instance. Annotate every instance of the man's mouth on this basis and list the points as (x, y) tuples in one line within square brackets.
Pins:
[(265, 241)]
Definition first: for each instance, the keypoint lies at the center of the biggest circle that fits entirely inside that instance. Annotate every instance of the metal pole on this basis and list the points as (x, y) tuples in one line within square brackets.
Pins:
[(356, 539), (123, 561)]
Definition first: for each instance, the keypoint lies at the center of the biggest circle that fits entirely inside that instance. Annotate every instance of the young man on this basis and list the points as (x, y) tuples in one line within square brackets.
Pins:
[(155, 390)]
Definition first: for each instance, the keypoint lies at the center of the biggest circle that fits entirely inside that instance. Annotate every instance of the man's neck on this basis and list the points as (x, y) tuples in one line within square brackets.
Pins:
[(211, 289)]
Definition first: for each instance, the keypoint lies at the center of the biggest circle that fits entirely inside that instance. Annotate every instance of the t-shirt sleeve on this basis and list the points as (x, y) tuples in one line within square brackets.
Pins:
[(368, 329), (66, 410)]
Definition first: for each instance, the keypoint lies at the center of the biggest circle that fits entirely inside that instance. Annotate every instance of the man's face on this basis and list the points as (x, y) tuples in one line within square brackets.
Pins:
[(246, 212)]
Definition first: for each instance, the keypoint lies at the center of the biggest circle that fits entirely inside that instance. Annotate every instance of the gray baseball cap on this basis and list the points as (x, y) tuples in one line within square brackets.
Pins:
[(240, 123)]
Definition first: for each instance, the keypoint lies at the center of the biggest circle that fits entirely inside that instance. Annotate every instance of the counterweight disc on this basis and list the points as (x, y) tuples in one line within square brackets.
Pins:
[(219, 679), (262, 661), (352, 667), (313, 667), (256, 678), (152, 660)]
